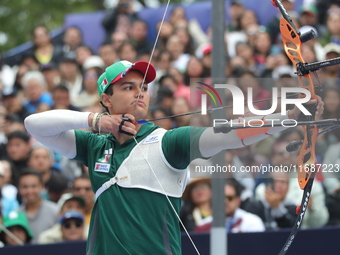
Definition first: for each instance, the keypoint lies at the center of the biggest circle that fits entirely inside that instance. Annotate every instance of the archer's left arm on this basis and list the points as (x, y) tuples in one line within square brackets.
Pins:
[(211, 143)]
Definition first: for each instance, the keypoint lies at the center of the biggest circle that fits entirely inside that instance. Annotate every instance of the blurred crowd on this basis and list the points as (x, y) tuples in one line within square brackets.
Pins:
[(47, 198)]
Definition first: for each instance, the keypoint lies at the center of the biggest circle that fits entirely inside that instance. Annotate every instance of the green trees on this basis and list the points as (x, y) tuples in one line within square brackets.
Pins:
[(19, 17)]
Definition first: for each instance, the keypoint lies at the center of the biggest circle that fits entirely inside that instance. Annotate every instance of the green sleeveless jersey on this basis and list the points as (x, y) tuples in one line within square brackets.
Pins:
[(132, 220)]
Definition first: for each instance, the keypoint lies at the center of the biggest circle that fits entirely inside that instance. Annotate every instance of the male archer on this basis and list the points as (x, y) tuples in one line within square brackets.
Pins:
[(144, 162)]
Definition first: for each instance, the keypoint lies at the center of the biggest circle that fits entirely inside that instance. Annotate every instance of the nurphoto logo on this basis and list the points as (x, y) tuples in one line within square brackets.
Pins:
[(239, 103)]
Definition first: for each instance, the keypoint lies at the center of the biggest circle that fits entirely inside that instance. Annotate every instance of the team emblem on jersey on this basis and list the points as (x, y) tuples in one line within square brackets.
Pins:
[(102, 163)]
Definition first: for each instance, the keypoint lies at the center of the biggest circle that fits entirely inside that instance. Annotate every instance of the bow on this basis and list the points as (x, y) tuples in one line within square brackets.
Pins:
[(292, 42)]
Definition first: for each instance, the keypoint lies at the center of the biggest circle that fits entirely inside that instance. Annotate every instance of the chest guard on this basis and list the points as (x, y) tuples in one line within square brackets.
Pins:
[(147, 168)]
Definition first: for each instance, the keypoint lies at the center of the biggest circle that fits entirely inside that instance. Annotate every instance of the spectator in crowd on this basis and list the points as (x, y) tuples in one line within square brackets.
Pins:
[(82, 188), (41, 214), (57, 186), (197, 207), (187, 40), (7, 203), (118, 38), (245, 179), (331, 97), (308, 53), (246, 21), (181, 106), (238, 220), (206, 59), (52, 75), (61, 98), (249, 80), (1, 243), (72, 226), (71, 76), (309, 17), (333, 28), (119, 19), (73, 38), (283, 76), (164, 34), (68, 203), (275, 208), (83, 52), (22, 69), (194, 70), (169, 82), (182, 90), (16, 223), (30, 61), (235, 11), (138, 39), (163, 62), (13, 105), (127, 51), (13, 123), (7, 76), (332, 183), (43, 49), (177, 90), (3, 138), (165, 98), (93, 68), (177, 15), (157, 113), (316, 214), (314, 43), (41, 160), (262, 49), (18, 148), (34, 85), (8, 189), (107, 53), (89, 95), (330, 74), (176, 48), (246, 52), (252, 32), (247, 18)]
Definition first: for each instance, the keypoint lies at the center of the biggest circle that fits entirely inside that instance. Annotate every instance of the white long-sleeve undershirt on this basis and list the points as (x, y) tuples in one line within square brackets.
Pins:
[(55, 129), (210, 143)]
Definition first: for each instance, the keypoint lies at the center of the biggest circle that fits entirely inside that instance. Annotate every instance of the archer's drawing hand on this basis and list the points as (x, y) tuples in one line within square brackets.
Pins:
[(111, 123)]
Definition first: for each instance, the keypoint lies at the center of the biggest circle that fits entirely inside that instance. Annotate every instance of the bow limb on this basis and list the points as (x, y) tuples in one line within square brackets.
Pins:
[(292, 44)]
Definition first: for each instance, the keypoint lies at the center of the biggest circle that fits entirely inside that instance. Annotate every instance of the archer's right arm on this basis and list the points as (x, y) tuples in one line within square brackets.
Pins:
[(55, 129)]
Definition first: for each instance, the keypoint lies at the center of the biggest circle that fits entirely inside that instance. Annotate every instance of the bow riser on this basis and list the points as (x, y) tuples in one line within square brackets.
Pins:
[(307, 157)]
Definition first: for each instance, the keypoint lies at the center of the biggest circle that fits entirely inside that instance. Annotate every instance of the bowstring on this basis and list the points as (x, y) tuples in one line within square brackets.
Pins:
[(140, 91), (167, 197), (152, 53)]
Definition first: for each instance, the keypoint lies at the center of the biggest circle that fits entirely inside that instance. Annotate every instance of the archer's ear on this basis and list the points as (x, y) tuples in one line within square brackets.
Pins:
[(106, 100)]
